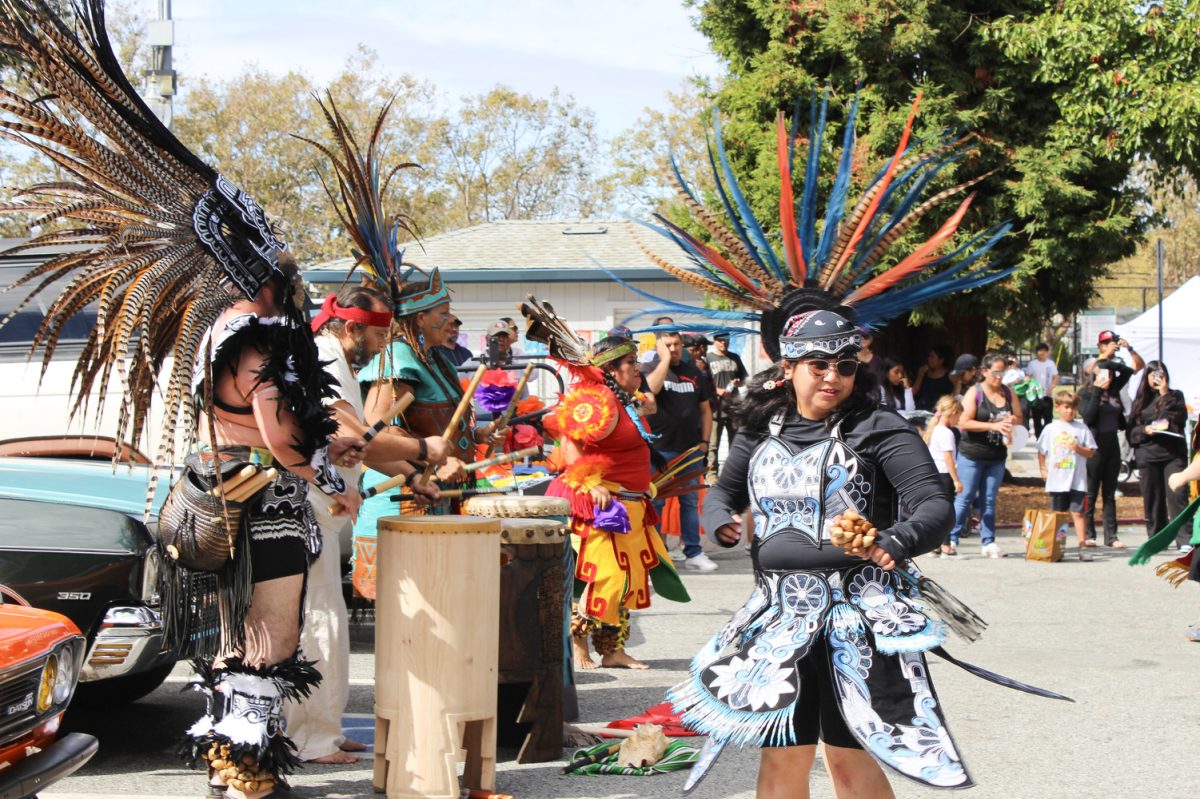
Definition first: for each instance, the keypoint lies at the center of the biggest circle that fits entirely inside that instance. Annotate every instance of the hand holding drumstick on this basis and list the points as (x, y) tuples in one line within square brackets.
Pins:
[(857, 536)]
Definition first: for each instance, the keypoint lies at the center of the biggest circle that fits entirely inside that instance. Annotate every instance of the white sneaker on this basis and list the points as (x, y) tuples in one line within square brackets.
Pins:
[(700, 563), (991, 550), (676, 554), (1184, 549)]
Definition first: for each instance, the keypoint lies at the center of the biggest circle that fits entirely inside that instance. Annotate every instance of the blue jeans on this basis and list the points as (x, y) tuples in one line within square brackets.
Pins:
[(689, 517), (983, 478)]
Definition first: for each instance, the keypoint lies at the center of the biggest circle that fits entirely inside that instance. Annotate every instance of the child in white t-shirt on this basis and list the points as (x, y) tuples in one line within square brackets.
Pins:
[(1063, 450), (942, 441)]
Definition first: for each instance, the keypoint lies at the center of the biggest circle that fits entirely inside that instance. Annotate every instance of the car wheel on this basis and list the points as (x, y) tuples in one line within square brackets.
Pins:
[(121, 690)]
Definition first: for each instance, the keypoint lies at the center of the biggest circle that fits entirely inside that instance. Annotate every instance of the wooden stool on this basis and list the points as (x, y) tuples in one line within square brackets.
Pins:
[(437, 623)]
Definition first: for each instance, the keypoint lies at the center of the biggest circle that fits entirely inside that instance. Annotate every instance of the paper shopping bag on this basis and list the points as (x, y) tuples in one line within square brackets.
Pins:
[(1027, 522), (1048, 535)]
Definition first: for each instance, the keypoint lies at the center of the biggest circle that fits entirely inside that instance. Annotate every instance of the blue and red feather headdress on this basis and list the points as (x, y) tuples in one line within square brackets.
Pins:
[(841, 254)]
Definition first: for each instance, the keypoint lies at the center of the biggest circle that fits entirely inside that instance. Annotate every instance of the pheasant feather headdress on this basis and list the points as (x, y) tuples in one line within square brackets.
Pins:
[(753, 266), (543, 325), (164, 242), (361, 187)]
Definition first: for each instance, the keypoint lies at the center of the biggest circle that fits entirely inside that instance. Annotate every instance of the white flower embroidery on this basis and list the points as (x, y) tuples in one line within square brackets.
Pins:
[(752, 683)]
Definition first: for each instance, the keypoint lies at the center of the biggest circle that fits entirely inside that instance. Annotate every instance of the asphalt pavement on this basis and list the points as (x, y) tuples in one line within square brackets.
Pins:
[(1109, 635)]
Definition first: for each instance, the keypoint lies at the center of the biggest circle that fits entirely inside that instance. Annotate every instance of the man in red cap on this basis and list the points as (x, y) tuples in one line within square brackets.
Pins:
[(1102, 411)]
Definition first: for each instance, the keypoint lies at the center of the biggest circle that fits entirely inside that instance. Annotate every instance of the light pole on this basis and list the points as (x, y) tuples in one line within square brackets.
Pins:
[(160, 78)]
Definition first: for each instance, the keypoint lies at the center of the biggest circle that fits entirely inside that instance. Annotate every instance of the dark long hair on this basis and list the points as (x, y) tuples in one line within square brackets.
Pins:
[(602, 346), (893, 394), (760, 403), (1145, 394)]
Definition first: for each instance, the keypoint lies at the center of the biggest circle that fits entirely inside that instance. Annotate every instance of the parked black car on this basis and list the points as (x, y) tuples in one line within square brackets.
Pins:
[(72, 541)]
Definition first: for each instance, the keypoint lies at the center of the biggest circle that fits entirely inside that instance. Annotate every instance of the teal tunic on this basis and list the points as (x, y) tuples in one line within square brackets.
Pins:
[(430, 386)]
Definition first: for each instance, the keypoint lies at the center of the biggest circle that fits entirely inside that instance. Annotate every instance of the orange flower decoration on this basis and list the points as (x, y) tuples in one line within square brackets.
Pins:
[(529, 405), (587, 414)]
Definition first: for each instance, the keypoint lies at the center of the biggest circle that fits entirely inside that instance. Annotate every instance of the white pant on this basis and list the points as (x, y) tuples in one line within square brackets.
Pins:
[(315, 723)]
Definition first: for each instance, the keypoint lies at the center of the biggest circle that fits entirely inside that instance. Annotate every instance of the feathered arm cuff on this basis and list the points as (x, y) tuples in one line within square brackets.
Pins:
[(577, 481), (586, 473), (587, 414)]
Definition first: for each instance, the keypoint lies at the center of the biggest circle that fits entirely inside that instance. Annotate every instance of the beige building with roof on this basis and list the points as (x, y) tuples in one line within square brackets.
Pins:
[(490, 268)]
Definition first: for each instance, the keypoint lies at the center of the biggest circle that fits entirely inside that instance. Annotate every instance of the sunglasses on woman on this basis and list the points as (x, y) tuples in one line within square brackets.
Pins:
[(845, 368)]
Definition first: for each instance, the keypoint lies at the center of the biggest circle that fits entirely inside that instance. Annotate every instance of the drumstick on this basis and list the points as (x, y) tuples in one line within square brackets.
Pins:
[(459, 412), (392, 412), (589, 759), (252, 486), (507, 457), (401, 479), (226, 486), (379, 488), (502, 422), (456, 493)]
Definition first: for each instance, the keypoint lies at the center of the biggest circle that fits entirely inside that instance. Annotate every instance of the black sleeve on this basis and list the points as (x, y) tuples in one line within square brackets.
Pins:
[(1135, 433), (908, 466), (730, 495), (742, 374), (1120, 376), (1173, 408), (1089, 406)]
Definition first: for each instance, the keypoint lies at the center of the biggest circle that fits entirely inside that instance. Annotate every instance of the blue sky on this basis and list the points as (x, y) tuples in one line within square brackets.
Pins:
[(614, 56)]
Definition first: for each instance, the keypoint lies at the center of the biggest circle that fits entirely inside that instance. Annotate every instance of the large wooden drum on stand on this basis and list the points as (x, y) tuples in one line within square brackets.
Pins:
[(535, 598), (437, 621)]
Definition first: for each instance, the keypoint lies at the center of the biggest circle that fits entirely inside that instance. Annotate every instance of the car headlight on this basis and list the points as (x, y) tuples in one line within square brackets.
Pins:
[(45, 697), (150, 568), (68, 672)]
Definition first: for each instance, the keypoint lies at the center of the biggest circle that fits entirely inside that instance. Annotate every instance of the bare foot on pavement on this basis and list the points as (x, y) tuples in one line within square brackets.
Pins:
[(621, 660), (581, 655), (335, 759)]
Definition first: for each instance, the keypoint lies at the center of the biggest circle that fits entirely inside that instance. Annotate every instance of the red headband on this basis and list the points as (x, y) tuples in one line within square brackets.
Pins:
[(331, 310)]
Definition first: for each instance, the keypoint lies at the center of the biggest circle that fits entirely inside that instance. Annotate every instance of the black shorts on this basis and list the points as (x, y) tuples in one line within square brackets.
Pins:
[(817, 714), (273, 557), (282, 530), (1064, 501)]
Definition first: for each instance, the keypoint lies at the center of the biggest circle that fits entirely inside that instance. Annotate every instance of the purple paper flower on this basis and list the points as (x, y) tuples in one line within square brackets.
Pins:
[(494, 399)]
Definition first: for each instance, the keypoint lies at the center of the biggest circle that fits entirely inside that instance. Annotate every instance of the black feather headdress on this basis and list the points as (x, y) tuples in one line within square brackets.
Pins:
[(165, 243)]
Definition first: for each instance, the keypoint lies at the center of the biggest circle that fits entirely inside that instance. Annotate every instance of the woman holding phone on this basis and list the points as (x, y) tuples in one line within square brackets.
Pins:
[(1156, 430), (1101, 410)]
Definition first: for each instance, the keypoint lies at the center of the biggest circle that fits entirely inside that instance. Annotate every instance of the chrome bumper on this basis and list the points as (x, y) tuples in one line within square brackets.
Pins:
[(130, 641)]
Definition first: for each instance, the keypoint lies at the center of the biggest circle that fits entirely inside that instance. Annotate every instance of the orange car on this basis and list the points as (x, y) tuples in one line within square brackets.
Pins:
[(40, 656)]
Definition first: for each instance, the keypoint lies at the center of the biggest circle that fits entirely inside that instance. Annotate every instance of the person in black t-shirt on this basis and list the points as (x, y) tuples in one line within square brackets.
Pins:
[(728, 373), (1101, 409), (683, 420)]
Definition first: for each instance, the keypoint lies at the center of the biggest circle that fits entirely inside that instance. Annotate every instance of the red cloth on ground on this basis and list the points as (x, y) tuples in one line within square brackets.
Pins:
[(661, 715)]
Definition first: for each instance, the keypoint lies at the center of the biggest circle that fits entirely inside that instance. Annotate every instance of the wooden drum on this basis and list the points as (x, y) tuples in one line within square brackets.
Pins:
[(511, 506), (435, 654), (514, 506), (530, 695)]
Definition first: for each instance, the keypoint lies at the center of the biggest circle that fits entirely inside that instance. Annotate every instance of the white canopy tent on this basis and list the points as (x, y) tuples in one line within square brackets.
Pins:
[(1181, 338)]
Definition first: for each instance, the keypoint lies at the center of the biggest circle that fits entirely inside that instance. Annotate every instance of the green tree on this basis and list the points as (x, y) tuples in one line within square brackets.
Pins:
[(507, 155), (640, 155), (1065, 97), (245, 126)]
